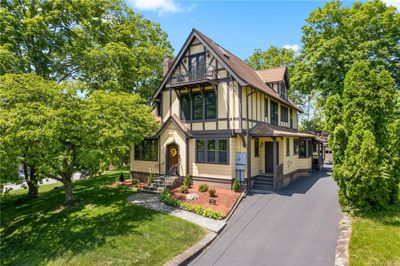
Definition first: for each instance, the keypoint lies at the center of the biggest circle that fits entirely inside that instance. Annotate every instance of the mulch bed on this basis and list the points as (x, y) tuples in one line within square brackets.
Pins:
[(127, 183), (225, 199)]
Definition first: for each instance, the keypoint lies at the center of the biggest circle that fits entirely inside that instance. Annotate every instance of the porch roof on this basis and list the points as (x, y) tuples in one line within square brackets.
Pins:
[(268, 130)]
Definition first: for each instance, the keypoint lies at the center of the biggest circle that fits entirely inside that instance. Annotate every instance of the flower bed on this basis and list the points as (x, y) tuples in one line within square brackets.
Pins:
[(167, 198), (127, 183), (225, 199)]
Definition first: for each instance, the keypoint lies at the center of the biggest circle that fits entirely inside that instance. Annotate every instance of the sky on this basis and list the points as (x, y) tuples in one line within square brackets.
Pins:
[(239, 26)]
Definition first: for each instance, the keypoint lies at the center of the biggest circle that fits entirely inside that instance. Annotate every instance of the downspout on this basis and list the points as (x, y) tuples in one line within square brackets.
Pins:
[(248, 142)]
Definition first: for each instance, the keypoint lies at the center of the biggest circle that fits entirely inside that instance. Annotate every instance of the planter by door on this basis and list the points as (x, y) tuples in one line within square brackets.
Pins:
[(269, 149), (172, 158)]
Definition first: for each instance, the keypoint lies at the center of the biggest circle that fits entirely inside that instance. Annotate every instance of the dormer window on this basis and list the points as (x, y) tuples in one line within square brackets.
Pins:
[(282, 90)]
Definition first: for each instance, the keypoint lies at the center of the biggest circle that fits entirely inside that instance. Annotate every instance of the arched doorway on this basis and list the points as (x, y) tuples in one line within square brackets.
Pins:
[(172, 159)]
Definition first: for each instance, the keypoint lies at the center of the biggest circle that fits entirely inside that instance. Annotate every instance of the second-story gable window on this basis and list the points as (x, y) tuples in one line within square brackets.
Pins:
[(197, 106), (284, 114), (274, 112), (266, 106), (185, 107), (291, 118), (210, 105), (282, 90)]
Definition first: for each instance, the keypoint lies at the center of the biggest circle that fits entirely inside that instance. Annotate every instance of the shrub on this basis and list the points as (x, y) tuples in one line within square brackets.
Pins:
[(184, 189), (135, 182), (187, 182), (167, 198), (121, 177), (235, 185), (203, 187), (213, 192), (150, 179)]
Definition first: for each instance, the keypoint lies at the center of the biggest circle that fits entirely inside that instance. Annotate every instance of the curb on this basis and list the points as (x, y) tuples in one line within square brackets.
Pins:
[(342, 246), (188, 255), (234, 207)]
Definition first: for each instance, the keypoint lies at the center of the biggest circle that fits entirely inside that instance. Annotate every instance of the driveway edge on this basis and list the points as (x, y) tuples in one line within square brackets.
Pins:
[(188, 255), (342, 247)]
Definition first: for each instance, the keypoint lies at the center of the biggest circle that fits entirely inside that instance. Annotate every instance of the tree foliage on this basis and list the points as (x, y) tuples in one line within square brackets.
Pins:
[(271, 58), (101, 43), (364, 140), (54, 132), (335, 37)]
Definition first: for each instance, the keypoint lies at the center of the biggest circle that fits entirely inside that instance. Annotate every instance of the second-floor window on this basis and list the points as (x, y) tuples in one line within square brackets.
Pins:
[(199, 106), (291, 118), (197, 67), (274, 112), (266, 106), (284, 114)]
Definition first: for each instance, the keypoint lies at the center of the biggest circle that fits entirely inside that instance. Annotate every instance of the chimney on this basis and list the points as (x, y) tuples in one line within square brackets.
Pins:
[(167, 65)]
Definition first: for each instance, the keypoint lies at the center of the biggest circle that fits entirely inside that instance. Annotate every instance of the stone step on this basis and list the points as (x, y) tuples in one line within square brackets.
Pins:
[(261, 187), (264, 181)]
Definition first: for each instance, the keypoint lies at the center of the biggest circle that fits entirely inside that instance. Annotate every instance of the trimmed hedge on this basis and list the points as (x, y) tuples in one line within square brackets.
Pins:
[(167, 198)]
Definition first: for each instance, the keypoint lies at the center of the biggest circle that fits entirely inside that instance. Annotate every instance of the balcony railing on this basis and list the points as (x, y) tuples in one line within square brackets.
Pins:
[(195, 74)]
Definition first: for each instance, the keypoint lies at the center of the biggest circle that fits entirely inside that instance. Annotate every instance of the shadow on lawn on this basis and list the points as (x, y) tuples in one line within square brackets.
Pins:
[(39, 230)]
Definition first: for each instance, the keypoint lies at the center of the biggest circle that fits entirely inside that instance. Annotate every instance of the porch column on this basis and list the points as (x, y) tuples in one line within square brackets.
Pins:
[(248, 161), (275, 163)]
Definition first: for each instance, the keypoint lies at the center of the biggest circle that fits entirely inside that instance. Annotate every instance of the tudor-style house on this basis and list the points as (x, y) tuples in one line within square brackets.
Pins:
[(220, 119)]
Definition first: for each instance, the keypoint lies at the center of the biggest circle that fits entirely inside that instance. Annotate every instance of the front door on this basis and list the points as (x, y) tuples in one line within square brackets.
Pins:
[(172, 159), (269, 151)]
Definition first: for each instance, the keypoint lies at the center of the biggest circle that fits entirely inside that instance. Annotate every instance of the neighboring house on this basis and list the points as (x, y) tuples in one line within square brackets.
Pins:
[(221, 120)]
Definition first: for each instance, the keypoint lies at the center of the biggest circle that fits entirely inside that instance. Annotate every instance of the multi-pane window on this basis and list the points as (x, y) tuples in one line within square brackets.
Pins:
[(200, 150), (256, 147), (274, 112), (284, 114), (185, 107), (210, 105), (287, 147), (197, 106), (291, 118), (282, 90), (212, 151), (266, 106), (204, 106), (295, 146), (223, 151), (147, 150), (302, 148)]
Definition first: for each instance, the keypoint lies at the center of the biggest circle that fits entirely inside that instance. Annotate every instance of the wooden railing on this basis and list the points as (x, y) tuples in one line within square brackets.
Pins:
[(202, 72)]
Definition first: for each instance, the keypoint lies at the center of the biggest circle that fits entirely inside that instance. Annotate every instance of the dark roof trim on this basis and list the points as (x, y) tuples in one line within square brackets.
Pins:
[(173, 119), (195, 34)]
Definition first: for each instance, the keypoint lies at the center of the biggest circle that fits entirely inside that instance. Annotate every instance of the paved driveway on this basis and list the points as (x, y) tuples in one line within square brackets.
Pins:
[(297, 226)]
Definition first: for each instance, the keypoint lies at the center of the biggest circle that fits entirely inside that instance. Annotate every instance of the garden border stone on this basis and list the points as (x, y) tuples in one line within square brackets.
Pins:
[(342, 247)]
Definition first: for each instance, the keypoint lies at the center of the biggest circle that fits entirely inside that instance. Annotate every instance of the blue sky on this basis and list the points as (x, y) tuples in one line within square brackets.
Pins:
[(238, 26)]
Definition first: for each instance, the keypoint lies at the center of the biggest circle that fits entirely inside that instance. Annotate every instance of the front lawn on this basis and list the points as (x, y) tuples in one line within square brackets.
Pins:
[(375, 239), (102, 229)]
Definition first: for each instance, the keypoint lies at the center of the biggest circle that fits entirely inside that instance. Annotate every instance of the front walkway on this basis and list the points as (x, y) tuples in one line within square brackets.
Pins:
[(296, 226), (152, 201)]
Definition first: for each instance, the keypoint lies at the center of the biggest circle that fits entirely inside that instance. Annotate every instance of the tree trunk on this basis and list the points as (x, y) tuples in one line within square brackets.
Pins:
[(69, 199), (31, 180)]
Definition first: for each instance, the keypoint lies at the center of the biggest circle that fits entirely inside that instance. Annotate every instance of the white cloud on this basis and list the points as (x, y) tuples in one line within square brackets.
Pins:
[(162, 6), (395, 3), (293, 47)]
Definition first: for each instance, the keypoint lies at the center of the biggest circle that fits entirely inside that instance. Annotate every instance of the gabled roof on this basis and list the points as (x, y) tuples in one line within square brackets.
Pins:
[(175, 120), (241, 72), (272, 75)]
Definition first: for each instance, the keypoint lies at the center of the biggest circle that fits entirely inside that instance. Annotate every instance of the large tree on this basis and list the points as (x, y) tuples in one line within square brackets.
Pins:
[(335, 37), (364, 139), (53, 130), (101, 43)]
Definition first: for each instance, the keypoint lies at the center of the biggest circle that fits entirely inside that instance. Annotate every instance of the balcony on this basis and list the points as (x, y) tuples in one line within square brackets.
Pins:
[(196, 76)]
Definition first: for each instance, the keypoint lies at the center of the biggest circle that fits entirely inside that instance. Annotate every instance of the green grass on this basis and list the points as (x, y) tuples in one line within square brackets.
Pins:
[(102, 229), (375, 238)]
